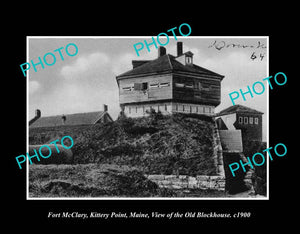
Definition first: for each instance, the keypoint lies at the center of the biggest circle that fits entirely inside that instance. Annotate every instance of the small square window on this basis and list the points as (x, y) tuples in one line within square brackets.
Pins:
[(256, 120), (188, 60), (240, 120), (144, 86), (250, 120), (245, 120)]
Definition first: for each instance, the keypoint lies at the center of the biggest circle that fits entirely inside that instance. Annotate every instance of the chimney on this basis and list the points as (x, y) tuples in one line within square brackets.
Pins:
[(161, 51), (37, 113), (105, 108), (179, 48), (36, 117)]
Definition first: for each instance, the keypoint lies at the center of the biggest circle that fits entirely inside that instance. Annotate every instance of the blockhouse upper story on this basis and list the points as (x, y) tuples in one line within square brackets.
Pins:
[(169, 84)]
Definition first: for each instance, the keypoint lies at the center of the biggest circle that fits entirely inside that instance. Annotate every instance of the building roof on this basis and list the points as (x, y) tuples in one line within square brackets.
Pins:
[(231, 141), (167, 63), (71, 119), (238, 109)]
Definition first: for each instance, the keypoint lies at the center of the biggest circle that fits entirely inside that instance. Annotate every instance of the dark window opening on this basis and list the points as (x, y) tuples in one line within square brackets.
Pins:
[(141, 86), (144, 86)]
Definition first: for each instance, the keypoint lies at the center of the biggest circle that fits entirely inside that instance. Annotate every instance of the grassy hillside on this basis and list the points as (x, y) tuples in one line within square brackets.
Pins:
[(178, 144), (90, 180), (95, 180)]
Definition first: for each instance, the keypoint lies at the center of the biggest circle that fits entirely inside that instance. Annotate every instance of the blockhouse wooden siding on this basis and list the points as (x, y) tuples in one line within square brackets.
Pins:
[(151, 94), (209, 93)]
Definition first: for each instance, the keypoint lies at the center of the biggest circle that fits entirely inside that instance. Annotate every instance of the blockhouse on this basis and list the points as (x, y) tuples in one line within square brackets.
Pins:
[(169, 84)]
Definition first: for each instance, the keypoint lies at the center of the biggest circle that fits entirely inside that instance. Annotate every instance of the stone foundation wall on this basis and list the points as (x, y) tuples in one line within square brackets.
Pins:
[(189, 182)]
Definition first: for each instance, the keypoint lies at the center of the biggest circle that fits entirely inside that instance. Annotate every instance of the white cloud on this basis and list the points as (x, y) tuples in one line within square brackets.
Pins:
[(34, 86), (75, 97), (85, 64), (237, 65), (122, 63)]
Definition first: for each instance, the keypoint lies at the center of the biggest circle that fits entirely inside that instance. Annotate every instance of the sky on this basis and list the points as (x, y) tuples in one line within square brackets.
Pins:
[(86, 81)]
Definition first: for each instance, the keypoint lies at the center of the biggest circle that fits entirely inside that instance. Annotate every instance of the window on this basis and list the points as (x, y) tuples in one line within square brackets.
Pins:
[(154, 85), (129, 110), (256, 120), (250, 120), (240, 120), (136, 109), (199, 85), (141, 86), (205, 87), (179, 85), (166, 107), (189, 85), (144, 86), (245, 120), (127, 88), (190, 109), (188, 60), (164, 84)]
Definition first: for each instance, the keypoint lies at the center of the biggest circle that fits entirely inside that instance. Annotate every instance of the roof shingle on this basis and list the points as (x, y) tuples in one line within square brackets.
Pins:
[(238, 108), (166, 63)]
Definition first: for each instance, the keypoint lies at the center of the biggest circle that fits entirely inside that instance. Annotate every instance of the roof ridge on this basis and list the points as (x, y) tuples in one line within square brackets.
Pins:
[(79, 113), (168, 55), (164, 63), (71, 119), (238, 108), (99, 116)]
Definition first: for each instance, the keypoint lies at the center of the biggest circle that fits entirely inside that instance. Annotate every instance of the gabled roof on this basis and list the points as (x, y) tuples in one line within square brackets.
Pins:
[(71, 119), (238, 109), (167, 63)]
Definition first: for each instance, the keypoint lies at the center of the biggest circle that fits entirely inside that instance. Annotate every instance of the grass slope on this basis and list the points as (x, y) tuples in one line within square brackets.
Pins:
[(94, 180), (178, 144)]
